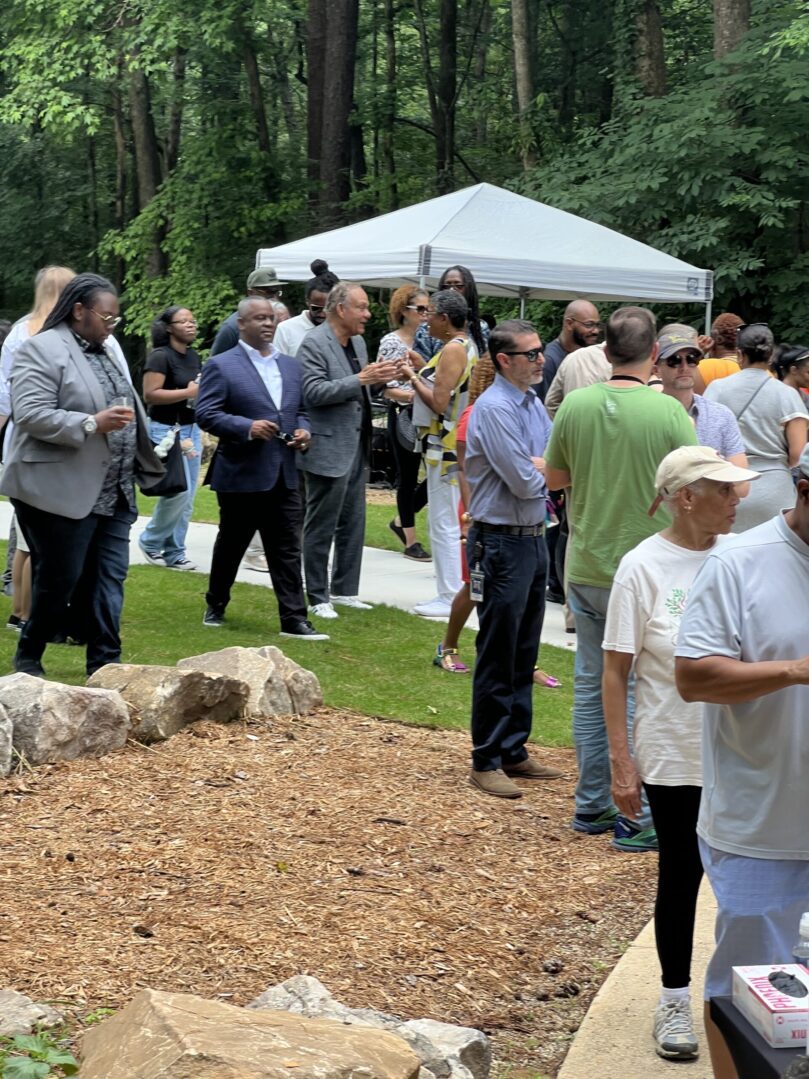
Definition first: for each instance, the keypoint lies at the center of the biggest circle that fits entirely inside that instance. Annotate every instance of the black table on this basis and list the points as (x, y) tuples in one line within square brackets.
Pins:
[(753, 1057)]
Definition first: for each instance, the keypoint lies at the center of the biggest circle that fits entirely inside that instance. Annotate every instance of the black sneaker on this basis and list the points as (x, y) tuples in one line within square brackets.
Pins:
[(417, 553), (214, 615), (26, 665), (305, 630), (16, 623)]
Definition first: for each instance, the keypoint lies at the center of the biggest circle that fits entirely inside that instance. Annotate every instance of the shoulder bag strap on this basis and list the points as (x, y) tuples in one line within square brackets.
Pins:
[(755, 394)]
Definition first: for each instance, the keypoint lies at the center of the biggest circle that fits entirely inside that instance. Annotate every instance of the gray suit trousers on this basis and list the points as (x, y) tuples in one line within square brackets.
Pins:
[(335, 510)]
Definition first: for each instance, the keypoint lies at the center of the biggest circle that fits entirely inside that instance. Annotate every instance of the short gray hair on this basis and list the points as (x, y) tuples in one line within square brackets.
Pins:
[(452, 304), (339, 294), (247, 303)]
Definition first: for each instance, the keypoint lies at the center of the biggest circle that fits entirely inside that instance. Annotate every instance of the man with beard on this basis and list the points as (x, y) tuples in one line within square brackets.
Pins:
[(580, 328), (289, 335)]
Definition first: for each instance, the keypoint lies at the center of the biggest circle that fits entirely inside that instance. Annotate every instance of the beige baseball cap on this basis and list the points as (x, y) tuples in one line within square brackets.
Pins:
[(691, 463)]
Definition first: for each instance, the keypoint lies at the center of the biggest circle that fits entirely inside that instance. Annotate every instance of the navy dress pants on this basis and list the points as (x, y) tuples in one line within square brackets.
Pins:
[(515, 572)]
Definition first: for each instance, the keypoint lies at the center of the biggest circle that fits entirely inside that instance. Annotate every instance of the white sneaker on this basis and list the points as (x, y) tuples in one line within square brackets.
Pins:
[(184, 564), (674, 1031), (352, 601), (256, 561), (436, 608), (323, 610)]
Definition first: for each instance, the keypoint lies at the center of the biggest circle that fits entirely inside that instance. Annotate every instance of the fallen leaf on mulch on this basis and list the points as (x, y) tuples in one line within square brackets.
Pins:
[(365, 860)]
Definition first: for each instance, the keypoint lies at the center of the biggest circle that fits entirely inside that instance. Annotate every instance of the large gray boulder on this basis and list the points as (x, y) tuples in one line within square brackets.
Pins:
[(445, 1051), (164, 700), (21, 1015), (179, 1036), (6, 735), (55, 722), (278, 685)]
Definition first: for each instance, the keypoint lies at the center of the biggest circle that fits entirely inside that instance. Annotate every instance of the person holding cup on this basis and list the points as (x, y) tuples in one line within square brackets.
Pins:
[(71, 469), (170, 388)]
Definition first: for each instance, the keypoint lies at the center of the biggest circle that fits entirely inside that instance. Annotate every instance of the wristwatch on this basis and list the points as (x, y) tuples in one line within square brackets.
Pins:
[(90, 425)]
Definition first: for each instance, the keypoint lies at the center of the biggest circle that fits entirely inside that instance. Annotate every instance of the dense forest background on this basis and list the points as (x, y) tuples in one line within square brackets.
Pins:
[(163, 141)]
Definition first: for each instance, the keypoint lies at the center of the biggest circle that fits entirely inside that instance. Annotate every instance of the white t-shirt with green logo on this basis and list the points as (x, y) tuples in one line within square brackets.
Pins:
[(643, 620), (751, 602)]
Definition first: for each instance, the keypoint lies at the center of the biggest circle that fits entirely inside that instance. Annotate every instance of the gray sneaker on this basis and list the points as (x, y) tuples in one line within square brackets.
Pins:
[(674, 1031)]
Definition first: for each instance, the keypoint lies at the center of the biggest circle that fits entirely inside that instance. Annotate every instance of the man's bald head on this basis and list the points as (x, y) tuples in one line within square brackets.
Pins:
[(581, 326)]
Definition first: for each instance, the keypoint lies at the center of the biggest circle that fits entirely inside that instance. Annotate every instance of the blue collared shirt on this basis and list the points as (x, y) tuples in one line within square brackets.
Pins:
[(268, 370), (716, 426), (507, 428)]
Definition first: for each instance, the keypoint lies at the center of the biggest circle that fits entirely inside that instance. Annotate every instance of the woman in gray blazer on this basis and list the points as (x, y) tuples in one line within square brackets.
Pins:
[(80, 439)]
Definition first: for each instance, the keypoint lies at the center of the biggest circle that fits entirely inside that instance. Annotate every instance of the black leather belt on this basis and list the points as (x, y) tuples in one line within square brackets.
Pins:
[(512, 530)]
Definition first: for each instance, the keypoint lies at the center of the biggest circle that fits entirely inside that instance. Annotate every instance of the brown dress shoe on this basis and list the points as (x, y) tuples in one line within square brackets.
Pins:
[(495, 783), (531, 769)]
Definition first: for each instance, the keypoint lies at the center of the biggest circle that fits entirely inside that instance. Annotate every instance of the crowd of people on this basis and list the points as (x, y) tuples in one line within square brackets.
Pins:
[(602, 474)]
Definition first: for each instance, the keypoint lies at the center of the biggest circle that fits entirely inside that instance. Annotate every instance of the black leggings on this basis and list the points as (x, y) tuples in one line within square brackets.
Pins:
[(674, 812), (411, 496)]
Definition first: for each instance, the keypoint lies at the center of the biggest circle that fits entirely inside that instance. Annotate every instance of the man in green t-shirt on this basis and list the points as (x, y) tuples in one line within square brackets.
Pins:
[(607, 442)]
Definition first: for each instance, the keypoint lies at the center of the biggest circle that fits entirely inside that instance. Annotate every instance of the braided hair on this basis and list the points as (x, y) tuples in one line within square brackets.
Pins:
[(323, 281), (82, 289)]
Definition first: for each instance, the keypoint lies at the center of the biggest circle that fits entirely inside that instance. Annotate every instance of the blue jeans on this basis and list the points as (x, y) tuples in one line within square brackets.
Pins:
[(515, 570), (593, 790), (166, 531)]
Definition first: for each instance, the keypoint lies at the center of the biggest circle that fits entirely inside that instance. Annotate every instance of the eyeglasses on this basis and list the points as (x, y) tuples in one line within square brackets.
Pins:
[(676, 361), (269, 292), (110, 321), (183, 322), (533, 355), (420, 307), (588, 325)]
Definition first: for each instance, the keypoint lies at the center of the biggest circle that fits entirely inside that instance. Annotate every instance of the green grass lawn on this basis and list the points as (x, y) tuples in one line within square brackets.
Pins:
[(377, 662), (377, 533)]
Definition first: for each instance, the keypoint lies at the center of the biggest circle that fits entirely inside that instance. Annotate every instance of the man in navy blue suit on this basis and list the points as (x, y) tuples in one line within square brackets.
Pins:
[(250, 398)]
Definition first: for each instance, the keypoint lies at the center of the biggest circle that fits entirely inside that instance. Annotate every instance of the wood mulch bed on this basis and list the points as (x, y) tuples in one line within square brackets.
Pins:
[(338, 845)]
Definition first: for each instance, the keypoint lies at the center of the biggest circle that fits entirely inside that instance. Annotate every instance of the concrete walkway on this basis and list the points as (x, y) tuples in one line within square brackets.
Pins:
[(614, 1039)]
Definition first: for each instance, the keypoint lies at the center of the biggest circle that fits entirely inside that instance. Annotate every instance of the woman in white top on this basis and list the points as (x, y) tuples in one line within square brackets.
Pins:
[(48, 285), (773, 422), (407, 312), (646, 603)]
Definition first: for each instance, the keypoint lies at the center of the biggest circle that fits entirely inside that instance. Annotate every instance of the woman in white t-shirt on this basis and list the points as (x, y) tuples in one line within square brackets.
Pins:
[(646, 604)]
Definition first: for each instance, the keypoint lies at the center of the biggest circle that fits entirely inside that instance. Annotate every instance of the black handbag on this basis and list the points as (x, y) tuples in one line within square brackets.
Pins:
[(173, 481)]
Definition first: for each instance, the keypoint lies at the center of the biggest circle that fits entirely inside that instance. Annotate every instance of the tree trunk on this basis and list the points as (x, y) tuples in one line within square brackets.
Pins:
[(176, 111), (388, 157), (731, 21), (650, 63), (259, 115), (315, 82), (120, 168), (147, 157), (282, 85), (445, 97), (338, 90), (479, 70), (524, 76), (92, 205)]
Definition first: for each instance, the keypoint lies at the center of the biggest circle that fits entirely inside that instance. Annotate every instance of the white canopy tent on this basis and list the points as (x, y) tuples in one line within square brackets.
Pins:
[(513, 245)]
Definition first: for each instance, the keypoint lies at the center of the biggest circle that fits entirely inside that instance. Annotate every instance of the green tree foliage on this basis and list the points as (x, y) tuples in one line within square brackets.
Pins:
[(162, 142)]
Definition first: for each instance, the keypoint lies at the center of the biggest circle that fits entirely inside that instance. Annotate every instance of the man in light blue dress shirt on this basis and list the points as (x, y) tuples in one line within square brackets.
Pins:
[(508, 431), (250, 397)]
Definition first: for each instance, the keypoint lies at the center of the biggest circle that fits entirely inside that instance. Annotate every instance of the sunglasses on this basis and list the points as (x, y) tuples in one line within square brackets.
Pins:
[(676, 361), (420, 307), (316, 308), (533, 355)]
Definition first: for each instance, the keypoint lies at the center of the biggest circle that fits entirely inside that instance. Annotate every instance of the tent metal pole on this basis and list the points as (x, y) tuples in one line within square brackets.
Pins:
[(708, 317), (422, 279), (522, 304)]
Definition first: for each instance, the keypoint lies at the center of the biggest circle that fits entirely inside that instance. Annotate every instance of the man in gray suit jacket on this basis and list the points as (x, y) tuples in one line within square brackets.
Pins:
[(80, 441), (336, 375)]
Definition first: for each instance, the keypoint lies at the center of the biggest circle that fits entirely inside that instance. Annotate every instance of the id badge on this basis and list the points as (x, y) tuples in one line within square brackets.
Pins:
[(476, 584)]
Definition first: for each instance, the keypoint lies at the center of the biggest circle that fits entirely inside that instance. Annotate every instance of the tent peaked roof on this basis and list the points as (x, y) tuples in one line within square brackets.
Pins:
[(513, 245)]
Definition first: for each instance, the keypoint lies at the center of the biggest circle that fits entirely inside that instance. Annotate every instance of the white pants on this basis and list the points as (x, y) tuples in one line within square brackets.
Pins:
[(445, 533)]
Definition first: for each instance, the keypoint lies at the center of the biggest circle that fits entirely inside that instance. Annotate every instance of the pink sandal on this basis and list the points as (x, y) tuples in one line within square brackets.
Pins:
[(547, 681)]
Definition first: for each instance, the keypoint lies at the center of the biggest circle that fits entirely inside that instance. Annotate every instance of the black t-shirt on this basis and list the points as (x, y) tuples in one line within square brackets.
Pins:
[(354, 363), (180, 368)]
